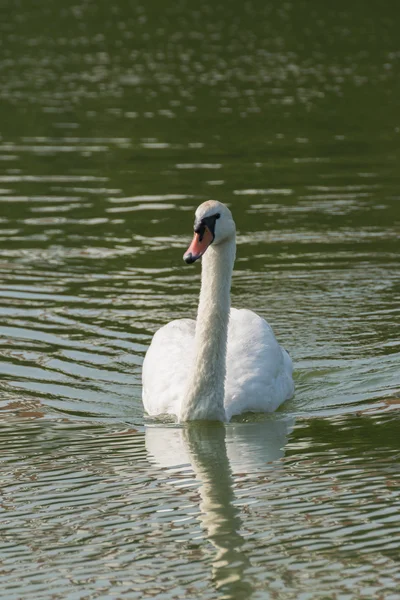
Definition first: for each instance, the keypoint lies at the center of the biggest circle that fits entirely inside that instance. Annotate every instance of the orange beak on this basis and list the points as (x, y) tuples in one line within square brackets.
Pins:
[(198, 246)]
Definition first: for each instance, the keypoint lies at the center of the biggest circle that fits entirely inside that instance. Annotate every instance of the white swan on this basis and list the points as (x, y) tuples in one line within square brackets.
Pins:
[(227, 361)]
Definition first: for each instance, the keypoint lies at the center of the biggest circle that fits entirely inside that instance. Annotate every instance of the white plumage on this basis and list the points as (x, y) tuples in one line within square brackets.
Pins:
[(259, 371), (228, 361)]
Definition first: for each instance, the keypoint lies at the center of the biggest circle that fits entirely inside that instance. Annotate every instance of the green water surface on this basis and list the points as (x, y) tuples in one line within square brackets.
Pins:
[(116, 121)]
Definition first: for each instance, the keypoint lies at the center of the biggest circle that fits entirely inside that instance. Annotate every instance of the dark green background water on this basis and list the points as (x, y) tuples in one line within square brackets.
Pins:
[(116, 121)]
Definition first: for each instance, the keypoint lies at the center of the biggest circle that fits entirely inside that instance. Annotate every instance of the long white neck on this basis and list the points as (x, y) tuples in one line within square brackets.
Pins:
[(204, 396)]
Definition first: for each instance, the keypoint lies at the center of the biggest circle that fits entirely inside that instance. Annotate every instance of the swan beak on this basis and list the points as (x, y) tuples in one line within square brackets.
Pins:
[(199, 245)]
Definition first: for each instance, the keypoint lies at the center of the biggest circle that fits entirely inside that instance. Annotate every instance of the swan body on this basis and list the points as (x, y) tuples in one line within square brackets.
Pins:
[(226, 362), (258, 377)]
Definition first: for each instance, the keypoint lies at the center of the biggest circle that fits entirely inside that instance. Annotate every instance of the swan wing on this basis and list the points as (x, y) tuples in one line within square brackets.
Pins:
[(259, 370), (166, 367)]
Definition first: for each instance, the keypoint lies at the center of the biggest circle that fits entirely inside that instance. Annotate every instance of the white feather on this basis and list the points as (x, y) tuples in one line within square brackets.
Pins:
[(226, 362), (259, 371)]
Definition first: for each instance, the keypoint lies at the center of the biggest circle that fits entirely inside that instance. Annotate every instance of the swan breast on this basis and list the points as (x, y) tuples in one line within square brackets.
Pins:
[(259, 370), (166, 367)]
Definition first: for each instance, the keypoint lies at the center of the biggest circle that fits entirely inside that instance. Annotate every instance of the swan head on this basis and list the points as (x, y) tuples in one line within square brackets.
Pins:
[(213, 224)]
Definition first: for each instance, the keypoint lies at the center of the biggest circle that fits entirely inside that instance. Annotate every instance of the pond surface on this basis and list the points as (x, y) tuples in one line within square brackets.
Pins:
[(117, 120)]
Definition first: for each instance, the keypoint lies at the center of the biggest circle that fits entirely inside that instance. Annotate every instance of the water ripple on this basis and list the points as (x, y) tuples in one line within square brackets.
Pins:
[(115, 127)]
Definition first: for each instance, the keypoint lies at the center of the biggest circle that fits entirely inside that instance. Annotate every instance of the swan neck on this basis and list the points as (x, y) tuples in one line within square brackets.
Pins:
[(204, 398)]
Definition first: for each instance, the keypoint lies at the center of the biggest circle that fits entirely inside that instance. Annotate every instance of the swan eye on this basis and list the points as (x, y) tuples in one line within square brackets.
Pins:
[(200, 228), (209, 222)]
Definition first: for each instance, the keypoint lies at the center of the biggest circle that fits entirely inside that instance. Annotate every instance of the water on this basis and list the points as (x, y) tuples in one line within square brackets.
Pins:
[(116, 122)]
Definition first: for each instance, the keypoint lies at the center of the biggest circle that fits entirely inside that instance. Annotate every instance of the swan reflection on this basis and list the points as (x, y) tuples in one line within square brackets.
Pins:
[(216, 453)]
